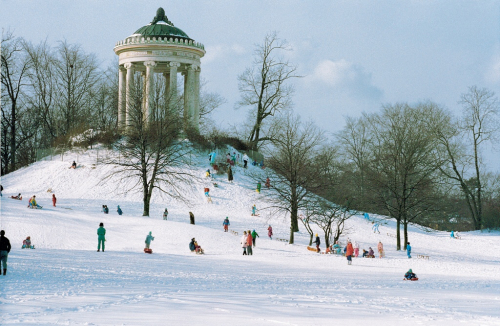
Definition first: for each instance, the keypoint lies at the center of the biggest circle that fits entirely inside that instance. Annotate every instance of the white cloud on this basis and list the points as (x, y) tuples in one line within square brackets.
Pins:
[(493, 73), (217, 52), (346, 76)]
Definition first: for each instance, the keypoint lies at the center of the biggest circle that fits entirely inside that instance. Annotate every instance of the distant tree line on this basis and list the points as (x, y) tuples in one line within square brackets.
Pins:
[(415, 163)]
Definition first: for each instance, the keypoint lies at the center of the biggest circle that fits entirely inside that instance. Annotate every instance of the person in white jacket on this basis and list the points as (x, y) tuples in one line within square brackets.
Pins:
[(245, 160), (356, 249), (244, 242)]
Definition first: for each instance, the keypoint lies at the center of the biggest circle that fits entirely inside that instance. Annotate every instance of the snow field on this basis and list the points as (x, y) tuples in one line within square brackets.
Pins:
[(65, 281)]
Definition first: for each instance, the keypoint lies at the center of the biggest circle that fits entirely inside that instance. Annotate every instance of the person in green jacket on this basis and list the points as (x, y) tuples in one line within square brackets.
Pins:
[(254, 235), (149, 238), (101, 232)]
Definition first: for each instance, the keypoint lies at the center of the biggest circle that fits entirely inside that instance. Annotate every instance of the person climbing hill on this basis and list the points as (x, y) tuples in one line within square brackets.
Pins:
[(270, 232)]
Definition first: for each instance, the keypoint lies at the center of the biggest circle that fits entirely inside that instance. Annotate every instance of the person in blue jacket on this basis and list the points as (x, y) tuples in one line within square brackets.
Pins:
[(452, 234), (101, 233), (149, 238), (119, 210), (408, 250)]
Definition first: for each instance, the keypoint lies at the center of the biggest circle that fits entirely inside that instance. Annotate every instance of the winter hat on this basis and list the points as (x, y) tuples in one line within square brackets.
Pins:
[(253, 231), (118, 206), (316, 235), (149, 232), (410, 270), (101, 224), (192, 239)]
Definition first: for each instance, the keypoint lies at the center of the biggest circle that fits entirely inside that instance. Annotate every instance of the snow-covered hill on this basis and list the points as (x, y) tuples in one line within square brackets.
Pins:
[(65, 281)]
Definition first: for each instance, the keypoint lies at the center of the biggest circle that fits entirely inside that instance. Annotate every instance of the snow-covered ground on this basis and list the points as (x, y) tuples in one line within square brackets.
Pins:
[(65, 281)]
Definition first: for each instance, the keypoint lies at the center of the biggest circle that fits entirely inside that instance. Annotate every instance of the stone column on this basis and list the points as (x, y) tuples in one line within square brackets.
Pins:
[(189, 96), (196, 113), (167, 86), (144, 95), (173, 82), (128, 94), (149, 90), (122, 82)]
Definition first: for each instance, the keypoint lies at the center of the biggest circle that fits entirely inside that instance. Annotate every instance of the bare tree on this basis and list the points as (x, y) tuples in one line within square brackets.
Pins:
[(403, 161), (76, 73), (462, 142), (295, 173), (14, 73), (151, 154), (331, 219), (265, 85)]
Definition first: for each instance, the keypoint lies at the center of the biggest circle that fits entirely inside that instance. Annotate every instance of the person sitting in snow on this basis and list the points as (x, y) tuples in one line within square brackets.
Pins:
[(119, 210), (165, 214), (73, 165), (206, 191), (27, 243), (207, 174), (33, 204), (194, 247), (337, 248), (19, 197), (371, 253), (410, 275), (149, 238), (105, 209), (365, 253)]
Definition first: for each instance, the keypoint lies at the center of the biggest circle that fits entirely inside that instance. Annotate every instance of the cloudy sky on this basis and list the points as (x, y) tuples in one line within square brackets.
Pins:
[(354, 55)]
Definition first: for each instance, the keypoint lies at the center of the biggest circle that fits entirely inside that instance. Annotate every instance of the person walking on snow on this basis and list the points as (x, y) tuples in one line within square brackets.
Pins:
[(149, 238), (4, 252), (243, 242), (226, 224), (317, 242), (249, 243), (380, 248), (254, 235), (54, 199), (270, 232), (119, 210), (101, 232), (229, 174), (259, 186), (165, 214), (408, 250), (348, 253), (245, 160), (356, 249), (375, 228)]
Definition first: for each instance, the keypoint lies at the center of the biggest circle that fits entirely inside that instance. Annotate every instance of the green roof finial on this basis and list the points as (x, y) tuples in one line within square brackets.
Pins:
[(160, 16)]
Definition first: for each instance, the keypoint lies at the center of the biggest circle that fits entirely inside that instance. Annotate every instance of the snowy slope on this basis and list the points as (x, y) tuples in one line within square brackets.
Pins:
[(65, 281)]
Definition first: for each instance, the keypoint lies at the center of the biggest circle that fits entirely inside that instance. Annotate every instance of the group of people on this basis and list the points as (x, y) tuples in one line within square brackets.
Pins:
[(27, 243), (105, 210), (248, 241)]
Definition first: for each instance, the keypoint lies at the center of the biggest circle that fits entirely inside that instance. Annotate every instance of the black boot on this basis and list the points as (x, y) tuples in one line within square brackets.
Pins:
[(5, 271)]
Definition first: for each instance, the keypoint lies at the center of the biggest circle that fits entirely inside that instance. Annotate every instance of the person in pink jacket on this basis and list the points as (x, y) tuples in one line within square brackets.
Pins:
[(380, 249), (270, 232), (244, 239), (249, 242), (356, 249), (348, 252)]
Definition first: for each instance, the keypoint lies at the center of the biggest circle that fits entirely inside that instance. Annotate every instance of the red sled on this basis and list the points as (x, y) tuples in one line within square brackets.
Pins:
[(148, 251), (411, 279), (15, 197)]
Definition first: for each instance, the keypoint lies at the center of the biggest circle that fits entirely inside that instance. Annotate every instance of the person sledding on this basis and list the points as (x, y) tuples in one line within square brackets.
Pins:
[(194, 247), (410, 276), (27, 244), (105, 209), (148, 240), (371, 253), (18, 197), (226, 224), (33, 204), (73, 165)]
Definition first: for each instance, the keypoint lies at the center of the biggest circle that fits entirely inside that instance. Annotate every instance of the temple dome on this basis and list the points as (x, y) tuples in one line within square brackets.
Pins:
[(161, 27)]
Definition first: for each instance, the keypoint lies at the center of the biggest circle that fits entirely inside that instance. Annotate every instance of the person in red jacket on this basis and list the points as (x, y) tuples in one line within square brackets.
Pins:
[(249, 242), (54, 199), (348, 253)]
